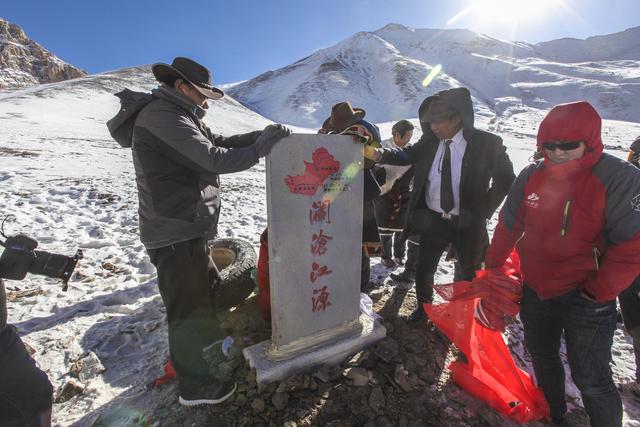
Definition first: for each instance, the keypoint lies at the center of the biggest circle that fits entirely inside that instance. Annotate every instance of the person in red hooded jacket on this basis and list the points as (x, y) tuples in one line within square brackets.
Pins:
[(574, 218)]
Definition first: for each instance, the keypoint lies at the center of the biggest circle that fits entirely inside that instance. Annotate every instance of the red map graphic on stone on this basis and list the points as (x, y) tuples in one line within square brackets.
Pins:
[(322, 166)]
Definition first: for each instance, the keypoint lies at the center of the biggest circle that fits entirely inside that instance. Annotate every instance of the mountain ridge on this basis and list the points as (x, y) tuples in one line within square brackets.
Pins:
[(383, 71)]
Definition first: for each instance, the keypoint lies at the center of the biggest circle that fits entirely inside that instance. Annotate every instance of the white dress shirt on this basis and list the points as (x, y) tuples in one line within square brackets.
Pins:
[(458, 146)]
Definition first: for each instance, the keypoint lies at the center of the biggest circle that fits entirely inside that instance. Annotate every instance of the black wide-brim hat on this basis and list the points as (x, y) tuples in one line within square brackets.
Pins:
[(190, 71)]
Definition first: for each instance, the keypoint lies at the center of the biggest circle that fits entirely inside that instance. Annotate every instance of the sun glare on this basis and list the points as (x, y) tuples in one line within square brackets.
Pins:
[(432, 75), (513, 11)]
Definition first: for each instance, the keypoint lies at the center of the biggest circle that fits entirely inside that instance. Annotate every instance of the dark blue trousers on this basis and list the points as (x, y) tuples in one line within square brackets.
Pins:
[(588, 329)]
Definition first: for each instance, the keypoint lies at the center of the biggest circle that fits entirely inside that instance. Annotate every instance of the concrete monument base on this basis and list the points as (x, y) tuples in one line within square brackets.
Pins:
[(271, 367)]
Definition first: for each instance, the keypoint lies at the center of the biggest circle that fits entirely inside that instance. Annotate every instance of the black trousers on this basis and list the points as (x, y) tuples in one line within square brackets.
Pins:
[(25, 391), (630, 307), (437, 233), (393, 245), (365, 270), (185, 271)]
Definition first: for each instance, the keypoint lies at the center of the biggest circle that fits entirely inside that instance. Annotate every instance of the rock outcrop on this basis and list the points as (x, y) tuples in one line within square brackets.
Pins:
[(24, 62)]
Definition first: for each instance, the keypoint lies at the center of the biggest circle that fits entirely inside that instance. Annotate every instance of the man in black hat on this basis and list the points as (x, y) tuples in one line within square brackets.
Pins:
[(461, 175), (348, 120), (177, 162)]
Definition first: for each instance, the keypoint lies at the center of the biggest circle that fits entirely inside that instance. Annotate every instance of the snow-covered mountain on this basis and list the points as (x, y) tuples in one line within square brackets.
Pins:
[(384, 72), (24, 62)]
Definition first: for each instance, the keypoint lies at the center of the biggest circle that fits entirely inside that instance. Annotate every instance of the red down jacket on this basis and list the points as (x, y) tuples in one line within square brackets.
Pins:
[(576, 224)]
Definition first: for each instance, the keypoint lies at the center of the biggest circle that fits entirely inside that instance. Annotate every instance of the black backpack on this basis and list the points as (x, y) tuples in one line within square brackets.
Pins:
[(121, 125)]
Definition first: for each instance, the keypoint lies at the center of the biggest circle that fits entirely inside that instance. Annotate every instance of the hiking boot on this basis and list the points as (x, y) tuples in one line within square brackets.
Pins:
[(418, 315), (206, 394), (404, 277), (399, 260), (388, 262)]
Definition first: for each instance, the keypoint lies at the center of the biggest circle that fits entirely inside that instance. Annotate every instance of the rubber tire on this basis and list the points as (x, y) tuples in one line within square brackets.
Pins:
[(236, 260)]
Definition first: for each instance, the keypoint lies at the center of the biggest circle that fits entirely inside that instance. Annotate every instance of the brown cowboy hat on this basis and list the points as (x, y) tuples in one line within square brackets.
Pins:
[(343, 115), (438, 111), (190, 71)]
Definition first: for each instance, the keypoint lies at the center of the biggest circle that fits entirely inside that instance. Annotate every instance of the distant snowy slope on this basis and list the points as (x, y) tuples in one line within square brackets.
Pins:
[(383, 71), (610, 47), (90, 99)]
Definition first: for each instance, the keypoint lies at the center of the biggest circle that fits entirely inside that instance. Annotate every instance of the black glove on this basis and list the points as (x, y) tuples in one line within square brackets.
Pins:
[(268, 138)]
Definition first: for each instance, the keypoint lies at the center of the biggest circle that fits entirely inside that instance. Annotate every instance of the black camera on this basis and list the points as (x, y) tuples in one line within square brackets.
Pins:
[(20, 257)]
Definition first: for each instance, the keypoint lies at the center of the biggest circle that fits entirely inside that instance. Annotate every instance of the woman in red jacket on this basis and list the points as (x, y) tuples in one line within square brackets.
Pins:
[(574, 218)]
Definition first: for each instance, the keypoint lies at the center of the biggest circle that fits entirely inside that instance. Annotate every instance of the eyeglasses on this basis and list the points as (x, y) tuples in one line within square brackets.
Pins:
[(564, 146)]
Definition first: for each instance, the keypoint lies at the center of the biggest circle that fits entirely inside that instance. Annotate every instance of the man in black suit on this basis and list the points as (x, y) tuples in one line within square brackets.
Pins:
[(461, 175)]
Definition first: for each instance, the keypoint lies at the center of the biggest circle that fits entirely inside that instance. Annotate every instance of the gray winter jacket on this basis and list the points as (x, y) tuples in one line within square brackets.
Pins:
[(177, 161)]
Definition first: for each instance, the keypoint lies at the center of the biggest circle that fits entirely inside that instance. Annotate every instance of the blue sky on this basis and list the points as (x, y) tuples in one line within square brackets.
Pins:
[(240, 39)]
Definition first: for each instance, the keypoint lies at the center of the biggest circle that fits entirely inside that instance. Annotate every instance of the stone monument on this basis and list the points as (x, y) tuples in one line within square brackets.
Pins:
[(314, 208)]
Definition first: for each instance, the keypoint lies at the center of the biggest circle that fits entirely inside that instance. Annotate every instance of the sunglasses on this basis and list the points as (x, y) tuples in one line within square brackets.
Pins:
[(564, 146)]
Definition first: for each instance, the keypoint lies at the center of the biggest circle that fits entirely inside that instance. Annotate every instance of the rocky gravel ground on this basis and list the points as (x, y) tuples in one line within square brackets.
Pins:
[(400, 381)]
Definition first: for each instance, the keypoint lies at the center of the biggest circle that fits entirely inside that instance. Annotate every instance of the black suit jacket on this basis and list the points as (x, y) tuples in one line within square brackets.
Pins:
[(486, 175)]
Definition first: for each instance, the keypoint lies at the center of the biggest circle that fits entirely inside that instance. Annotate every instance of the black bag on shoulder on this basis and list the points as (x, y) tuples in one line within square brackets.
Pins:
[(121, 125)]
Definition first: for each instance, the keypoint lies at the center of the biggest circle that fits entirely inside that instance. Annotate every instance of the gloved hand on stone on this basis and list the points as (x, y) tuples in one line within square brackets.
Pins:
[(372, 153), (269, 137)]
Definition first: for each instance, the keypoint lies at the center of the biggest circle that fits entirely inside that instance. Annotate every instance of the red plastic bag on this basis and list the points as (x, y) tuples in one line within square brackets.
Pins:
[(264, 290), (490, 374), (169, 374)]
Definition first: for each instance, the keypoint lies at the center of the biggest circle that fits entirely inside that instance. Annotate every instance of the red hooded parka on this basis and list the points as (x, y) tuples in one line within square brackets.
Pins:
[(576, 225)]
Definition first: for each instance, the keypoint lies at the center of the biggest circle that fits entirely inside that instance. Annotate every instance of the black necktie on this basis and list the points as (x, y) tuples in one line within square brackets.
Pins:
[(446, 186)]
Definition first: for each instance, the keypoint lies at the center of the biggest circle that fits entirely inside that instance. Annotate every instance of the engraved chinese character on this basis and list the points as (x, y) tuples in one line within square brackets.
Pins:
[(320, 299), (319, 243), (320, 212), (318, 271)]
